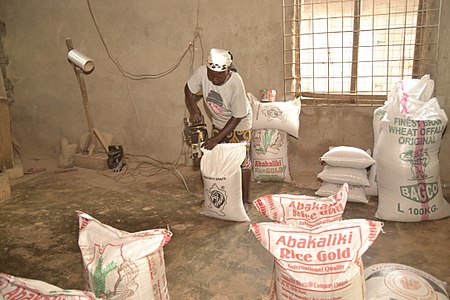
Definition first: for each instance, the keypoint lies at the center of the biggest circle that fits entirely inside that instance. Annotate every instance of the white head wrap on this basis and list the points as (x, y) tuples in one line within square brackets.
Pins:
[(218, 60)]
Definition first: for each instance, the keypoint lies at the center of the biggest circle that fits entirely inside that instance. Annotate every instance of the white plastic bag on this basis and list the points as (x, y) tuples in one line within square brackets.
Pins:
[(408, 95), (221, 173)]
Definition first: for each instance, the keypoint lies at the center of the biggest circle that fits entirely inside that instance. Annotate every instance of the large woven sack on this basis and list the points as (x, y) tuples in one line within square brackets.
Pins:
[(303, 210), (278, 115), (222, 181), (269, 154), (123, 265), (408, 173), (322, 262)]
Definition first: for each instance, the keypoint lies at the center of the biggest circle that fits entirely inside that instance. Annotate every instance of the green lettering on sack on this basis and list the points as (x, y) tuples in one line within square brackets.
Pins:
[(422, 192)]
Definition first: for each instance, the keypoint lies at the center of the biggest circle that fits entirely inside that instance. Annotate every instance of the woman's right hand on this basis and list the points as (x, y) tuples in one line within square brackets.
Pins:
[(196, 118)]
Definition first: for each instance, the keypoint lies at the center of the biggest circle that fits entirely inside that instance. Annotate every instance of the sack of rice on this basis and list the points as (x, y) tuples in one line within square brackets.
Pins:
[(356, 193), (221, 173), (341, 175), (322, 262), (347, 157), (302, 209), (123, 265), (17, 288), (269, 154), (402, 282), (276, 115)]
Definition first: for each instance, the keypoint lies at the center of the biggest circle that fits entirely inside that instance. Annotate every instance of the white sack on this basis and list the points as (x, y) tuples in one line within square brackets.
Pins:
[(341, 175), (356, 193), (302, 209), (123, 265), (322, 262), (407, 96), (222, 182), (408, 175), (17, 288), (347, 157), (278, 115), (269, 154), (378, 114), (388, 281)]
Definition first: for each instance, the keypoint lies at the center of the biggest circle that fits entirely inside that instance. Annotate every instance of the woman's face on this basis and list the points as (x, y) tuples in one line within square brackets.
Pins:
[(217, 78)]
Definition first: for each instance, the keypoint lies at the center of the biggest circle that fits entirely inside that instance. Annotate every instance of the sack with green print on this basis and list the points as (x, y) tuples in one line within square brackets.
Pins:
[(407, 149), (120, 264), (269, 154), (18, 288)]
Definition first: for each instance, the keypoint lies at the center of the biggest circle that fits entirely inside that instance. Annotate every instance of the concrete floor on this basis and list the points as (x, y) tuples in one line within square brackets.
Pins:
[(205, 259)]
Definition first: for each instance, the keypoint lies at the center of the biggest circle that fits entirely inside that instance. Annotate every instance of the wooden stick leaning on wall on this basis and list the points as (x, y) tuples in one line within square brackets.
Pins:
[(94, 134)]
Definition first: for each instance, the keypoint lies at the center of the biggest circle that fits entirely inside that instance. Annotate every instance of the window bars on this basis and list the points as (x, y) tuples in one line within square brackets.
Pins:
[(352, 52)]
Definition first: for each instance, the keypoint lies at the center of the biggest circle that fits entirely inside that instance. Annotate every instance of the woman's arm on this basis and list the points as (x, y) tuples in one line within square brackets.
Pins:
[(191, 103)]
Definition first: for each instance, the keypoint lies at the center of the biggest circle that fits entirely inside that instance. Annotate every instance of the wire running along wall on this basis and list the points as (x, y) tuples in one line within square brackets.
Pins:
[(352, 52)]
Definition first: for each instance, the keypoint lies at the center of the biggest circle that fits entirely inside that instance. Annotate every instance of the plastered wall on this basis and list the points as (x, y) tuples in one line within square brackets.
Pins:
[(147, 39)]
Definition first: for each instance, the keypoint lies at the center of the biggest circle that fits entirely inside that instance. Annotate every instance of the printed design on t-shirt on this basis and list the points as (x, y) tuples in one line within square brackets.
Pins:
[(215, 101)]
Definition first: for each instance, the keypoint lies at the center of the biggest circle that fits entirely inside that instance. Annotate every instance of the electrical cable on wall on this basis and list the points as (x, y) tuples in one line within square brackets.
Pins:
[(151, 166), (190, 47)]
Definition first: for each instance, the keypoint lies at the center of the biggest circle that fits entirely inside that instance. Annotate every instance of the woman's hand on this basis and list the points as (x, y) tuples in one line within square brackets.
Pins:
[(196, 117), (211, 143)]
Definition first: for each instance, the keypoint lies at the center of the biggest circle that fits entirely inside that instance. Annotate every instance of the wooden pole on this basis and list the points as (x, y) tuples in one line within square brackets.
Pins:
[(84, 96)]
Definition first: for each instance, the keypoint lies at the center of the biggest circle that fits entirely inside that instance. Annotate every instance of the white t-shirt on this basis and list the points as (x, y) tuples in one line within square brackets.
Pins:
[(223, 101)]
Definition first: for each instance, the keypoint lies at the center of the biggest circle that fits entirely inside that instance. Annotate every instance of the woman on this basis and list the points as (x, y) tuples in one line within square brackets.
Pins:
[(223, 92)]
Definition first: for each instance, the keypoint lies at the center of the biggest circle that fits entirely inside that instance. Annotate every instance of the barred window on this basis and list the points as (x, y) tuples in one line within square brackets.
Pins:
[(352, 52)]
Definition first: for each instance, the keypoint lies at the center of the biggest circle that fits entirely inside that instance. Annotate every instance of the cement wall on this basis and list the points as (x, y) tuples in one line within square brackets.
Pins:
[(149, 37)]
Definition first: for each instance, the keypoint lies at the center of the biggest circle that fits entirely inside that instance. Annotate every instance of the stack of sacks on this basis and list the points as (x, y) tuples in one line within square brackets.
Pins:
[(344, 164), (272, 123), (316, 254), (408, 142)]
